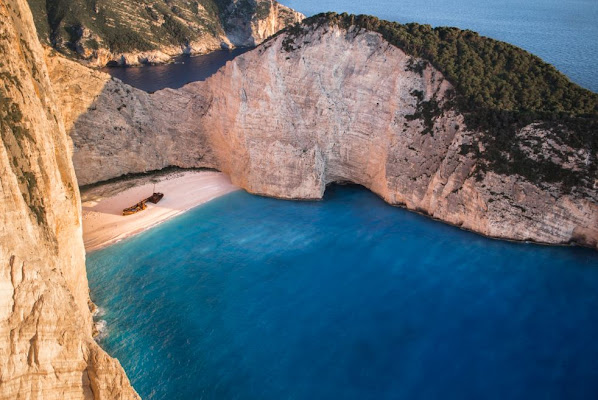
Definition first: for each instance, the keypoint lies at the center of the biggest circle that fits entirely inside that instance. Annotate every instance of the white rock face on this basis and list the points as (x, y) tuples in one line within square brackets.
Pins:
[(270, 17), (46, 345), (339, 107)]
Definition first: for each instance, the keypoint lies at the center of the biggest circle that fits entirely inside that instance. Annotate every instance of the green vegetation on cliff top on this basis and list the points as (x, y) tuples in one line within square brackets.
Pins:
[(487, 73), (500, 88), (123, 26)]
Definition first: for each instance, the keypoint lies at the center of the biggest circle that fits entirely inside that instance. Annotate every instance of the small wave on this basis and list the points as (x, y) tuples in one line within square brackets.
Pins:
[(100, 330), (98, 312)]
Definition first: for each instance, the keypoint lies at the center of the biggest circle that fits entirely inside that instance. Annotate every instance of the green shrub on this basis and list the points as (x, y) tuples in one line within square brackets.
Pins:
[(499, 88), (486, 73)]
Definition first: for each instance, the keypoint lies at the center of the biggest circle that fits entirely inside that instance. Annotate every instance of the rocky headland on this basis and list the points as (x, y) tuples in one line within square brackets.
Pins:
[(332, 101), (131, 33)]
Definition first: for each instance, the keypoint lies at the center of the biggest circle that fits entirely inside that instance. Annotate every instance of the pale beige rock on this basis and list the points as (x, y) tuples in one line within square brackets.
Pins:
[(46, 345), (286, 124)]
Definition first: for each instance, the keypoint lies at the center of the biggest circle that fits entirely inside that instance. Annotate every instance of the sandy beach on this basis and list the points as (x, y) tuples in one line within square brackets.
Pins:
[(104, 224)]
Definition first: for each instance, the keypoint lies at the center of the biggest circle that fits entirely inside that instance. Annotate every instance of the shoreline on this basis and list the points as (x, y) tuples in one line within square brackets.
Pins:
[(171, 60), (102, 205)]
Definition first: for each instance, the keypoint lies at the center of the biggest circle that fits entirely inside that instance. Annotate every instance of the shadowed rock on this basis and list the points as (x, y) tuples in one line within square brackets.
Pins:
[(46, 345), (338, 104)]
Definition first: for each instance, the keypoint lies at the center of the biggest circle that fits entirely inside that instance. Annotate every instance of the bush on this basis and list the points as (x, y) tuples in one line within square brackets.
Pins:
[(499, 88)]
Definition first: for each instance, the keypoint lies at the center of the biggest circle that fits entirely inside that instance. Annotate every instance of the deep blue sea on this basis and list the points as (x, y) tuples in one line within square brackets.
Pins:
[(348, 298)]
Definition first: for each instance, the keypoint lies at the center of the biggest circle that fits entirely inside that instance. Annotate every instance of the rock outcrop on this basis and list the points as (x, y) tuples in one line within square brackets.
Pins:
[(46, 345), (133, 33), (266, 18), (331, 105)]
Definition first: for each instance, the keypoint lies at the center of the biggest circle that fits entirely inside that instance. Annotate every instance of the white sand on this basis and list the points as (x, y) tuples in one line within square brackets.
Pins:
[(104, 224)]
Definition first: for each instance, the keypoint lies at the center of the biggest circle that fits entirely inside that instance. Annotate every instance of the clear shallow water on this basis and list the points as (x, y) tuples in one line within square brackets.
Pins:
[(183, 70), (254, 298), (562, 32)]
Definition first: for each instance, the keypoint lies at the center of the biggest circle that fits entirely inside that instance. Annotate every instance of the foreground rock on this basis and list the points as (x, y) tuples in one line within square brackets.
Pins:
[(333, 104), (46, 345)]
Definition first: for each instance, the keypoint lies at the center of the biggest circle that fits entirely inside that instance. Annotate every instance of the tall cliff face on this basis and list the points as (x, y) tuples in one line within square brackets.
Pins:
[(46, 345), (131, 33), (266, 18), (334, 104)]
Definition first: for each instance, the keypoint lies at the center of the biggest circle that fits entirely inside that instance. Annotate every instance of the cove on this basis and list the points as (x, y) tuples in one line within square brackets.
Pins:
[(562, 33), (247, 297), (182, 70)]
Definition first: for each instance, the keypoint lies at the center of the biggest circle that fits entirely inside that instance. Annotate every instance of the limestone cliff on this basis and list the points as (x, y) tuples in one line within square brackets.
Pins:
[(332, 104), (267, 18), (153, 31), (46, 345)]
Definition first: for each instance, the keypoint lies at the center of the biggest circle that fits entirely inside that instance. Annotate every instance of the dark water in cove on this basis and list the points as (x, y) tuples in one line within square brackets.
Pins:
[(185, 69), (349, 298), (562, 32)]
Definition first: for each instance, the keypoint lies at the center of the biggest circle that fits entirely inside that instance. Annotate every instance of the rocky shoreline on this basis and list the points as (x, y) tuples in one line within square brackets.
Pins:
[(117, 34), (97, 192), (317, 104)]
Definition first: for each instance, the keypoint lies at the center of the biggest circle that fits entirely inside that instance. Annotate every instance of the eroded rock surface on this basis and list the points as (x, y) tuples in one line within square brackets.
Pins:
[(46, 345), (245, 28), (298, 113)]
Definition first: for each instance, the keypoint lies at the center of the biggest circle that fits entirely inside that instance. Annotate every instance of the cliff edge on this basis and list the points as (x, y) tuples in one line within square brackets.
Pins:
[(332, 100), (46, 345)]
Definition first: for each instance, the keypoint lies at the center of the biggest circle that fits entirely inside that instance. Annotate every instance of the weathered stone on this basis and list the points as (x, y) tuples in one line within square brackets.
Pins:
[(133, 33), (46, 345), (338, 107)]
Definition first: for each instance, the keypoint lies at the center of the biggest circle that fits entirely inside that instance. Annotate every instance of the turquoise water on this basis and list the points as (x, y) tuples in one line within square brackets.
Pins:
[(349, 298), (254, 298)]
